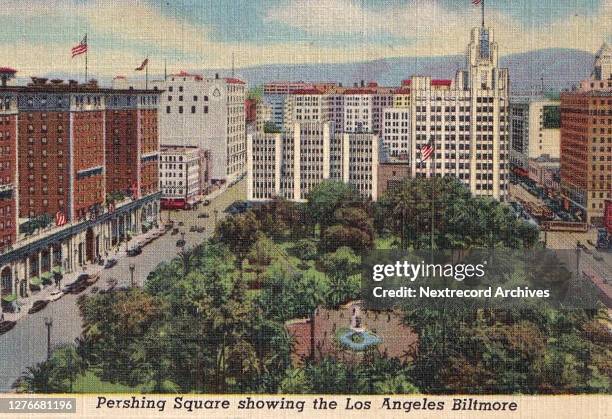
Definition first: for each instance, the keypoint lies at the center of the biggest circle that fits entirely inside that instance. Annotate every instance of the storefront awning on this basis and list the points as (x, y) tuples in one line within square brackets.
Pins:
[(46, 275), (35, 281), (9, 298), (57, 270)]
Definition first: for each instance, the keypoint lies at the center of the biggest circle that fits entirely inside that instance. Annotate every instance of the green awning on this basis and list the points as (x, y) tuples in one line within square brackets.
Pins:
[(35, 281), (57, 270), (9, 298), (46, 275)]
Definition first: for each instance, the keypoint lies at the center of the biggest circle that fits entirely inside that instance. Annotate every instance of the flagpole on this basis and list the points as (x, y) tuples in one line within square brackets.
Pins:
[(147, 75), (433, 196), (86, 53), (483, 13)]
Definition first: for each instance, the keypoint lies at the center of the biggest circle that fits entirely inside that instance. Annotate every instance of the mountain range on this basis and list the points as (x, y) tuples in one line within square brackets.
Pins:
[(557, 69)]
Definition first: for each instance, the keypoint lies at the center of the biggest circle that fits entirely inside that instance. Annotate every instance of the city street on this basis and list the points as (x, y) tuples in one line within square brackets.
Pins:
[(26, 343), (567, 240)]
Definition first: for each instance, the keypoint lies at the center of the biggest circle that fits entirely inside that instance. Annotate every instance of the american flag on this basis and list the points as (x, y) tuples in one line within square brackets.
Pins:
[(81, 48), (60, 218), (143, 65), (476, 2), (426, 151)]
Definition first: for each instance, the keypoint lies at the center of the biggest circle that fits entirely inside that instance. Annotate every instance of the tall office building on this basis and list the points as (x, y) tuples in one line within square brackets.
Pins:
[(207, 113), (466, 120), (586, 140), (292, 163)]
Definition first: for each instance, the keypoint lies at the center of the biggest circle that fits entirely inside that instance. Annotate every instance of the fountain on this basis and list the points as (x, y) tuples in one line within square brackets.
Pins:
[(357, 337)]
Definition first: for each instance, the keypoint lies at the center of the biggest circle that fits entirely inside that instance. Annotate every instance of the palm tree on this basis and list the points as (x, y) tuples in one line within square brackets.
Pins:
[(41, 378)]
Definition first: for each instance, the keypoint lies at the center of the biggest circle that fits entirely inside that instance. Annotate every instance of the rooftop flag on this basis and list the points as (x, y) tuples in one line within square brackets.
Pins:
[(143, 65), (81, 48)]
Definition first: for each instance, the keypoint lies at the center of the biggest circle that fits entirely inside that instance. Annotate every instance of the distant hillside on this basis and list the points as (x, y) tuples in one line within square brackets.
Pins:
[(561, 68)]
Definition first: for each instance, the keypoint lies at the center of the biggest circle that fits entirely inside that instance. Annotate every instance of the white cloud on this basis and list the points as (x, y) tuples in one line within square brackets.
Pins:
[(122, 33), (431, 29)]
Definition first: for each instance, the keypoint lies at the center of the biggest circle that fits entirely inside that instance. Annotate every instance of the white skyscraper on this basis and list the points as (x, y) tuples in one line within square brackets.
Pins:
[(292, 163), (466, 120), (208, 113)]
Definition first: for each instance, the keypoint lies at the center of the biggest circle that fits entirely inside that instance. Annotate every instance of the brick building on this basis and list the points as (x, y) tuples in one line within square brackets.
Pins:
[(63, 148), (586, 141), (8, 172), (132, 142)]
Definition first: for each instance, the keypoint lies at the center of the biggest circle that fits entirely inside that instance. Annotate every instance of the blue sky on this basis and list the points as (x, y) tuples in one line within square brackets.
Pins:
[(38, 34)]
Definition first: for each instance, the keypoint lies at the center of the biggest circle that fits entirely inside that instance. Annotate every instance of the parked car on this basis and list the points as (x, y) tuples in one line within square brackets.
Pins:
[(92, 279), (110, 263), (193, 229), (37, 306), (56, 295), (134, 251), (180, 243), (175, 231), (94, 290), (201, 229), (206, 202), (203, 215), (181, 224), (6, 325)]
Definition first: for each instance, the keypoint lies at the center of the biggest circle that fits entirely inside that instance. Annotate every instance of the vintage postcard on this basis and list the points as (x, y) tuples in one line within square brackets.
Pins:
[(325, 208)]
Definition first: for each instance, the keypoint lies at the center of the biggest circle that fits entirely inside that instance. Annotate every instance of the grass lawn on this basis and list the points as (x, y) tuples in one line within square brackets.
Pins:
[(91, 383), (385, 243)]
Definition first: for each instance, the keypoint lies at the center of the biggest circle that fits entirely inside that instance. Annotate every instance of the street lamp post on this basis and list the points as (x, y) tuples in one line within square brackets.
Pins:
[(578, 244), (216, 212), (49, 325), (132, 268)]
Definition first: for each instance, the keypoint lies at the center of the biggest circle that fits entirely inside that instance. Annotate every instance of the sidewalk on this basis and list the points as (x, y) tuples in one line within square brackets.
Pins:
[(119, 252)]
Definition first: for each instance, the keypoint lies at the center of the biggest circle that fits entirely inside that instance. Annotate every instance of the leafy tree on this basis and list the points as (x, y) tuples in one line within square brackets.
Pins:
[(289, 293), (342, 267), (326, 198), (239, 233), (305, 249)]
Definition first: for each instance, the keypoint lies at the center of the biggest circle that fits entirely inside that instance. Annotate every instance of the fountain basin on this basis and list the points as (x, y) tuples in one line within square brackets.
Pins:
[(359, 340)]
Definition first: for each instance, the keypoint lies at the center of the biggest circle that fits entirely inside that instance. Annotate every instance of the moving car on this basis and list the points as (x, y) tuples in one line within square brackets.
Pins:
[(206, 202), (180, 243), (55, 295), (203, 215), (37, 306), (193, 229), (6, 325), (134, 251), (79, 288), (110, 263)]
